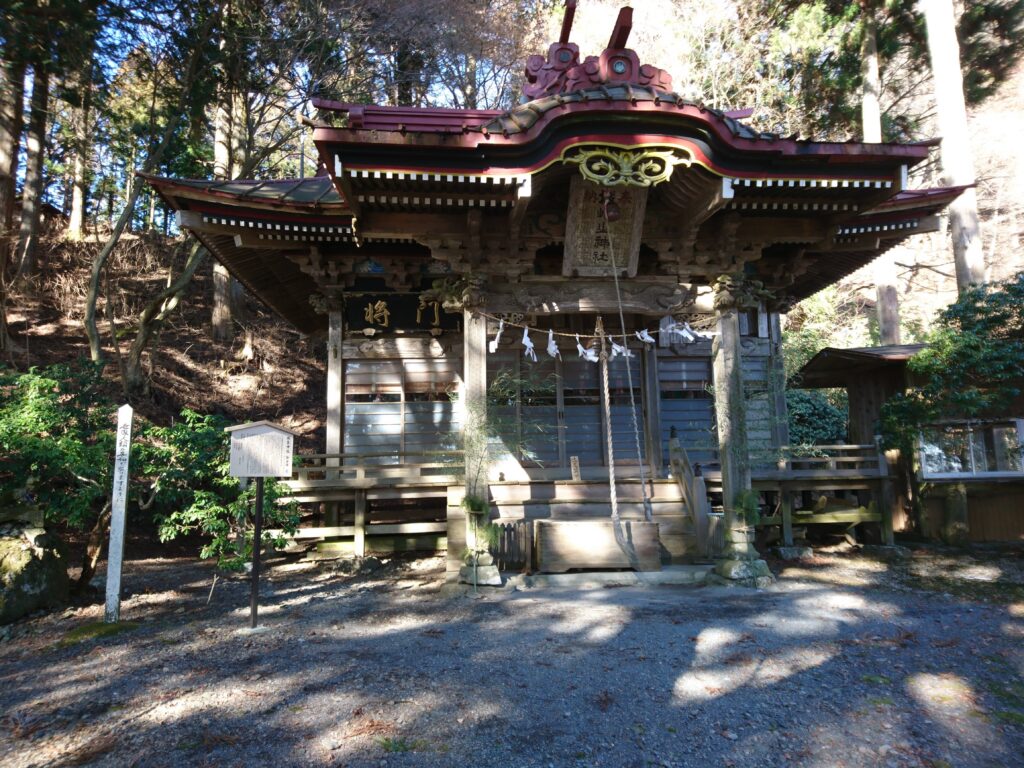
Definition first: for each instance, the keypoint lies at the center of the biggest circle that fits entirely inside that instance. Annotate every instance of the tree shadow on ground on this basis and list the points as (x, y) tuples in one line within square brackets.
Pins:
[(354, 671)]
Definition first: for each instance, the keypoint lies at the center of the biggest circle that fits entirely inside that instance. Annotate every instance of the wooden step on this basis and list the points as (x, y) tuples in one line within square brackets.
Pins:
[(568, 510), (541, 492)]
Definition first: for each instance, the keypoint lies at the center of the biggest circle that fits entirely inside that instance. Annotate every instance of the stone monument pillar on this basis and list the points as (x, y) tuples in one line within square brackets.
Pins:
[(739, 563)]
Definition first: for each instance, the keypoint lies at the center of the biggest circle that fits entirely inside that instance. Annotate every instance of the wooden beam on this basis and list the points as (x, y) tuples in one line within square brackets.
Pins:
[(787, 517), (412, 225), (623, 26), (778, 229), (386, 529)]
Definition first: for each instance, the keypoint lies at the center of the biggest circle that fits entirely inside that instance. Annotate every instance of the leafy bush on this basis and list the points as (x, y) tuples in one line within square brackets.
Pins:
[(187, 464), (57, 437), (813, 420), (972, 368), (56, 441)]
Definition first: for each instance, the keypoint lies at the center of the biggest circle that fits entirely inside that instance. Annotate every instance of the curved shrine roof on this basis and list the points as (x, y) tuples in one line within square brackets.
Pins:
[(409, 188)]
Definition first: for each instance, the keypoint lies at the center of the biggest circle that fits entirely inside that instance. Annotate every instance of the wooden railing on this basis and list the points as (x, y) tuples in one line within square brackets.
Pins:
[(694, 492), (364, 470), (831, 461)]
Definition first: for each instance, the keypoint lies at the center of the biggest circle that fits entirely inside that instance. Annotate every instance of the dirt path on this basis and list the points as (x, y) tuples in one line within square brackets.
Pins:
[(846, 662)]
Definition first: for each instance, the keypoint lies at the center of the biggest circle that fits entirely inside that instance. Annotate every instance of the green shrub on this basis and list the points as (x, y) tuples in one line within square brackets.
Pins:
[(57, 437), (972, 368), (56, 441), (813, 420), (192, 492)]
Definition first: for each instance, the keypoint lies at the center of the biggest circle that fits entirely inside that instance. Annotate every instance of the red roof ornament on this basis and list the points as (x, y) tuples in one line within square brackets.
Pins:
[(561, 71)]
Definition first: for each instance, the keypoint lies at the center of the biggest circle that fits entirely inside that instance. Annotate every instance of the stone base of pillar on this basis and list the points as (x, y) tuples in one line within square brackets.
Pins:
[(740, 564), (484, 573), (485, 576)]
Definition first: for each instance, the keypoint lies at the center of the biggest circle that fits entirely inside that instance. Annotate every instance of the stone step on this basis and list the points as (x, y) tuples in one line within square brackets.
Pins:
[(676, 575)]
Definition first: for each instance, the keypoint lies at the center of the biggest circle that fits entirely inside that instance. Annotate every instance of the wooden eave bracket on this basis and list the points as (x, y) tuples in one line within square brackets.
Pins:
[(345, 187), (523, 196)]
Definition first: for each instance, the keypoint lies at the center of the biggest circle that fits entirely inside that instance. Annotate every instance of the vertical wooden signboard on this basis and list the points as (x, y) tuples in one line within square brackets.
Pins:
[(115, 549)]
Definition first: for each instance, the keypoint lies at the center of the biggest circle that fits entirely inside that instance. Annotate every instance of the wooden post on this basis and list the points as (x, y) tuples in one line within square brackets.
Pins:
[(777, 383), (335, 401), (334, 384), (115, 550), (886, 497), (257, 545), (786, 499), (359, 542), (652, 422)]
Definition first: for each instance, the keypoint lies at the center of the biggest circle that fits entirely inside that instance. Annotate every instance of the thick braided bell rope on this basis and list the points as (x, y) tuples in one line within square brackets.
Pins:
[(607, 400), (648, 511)]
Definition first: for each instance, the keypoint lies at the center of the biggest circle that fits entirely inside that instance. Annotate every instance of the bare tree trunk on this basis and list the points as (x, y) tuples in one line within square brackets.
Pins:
[(223, 322), (223, 327), (957, 162), (93, 549), (32, 191), (98, 264), (886, 291), (79, 176), (222, 138), (12, 94), (152, 318), (82, 151), (225, 161)]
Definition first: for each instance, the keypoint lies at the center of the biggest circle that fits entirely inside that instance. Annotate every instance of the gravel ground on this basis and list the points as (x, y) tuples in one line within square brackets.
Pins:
[(847, 661)]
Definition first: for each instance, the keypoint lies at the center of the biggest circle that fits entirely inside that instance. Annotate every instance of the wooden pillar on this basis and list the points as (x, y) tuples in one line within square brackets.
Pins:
[(777, 383), (786, 500), (652, 422), (335, 384), (359, 540), (335, 400)]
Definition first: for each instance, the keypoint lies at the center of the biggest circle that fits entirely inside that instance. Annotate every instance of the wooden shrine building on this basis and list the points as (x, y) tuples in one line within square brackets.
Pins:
[(441, 251)]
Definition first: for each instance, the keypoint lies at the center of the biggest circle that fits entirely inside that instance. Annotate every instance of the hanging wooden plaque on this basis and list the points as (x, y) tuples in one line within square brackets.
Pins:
[(589, 238)]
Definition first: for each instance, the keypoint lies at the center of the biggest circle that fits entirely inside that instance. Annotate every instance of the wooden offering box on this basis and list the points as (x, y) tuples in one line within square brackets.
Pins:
[(562, 545)]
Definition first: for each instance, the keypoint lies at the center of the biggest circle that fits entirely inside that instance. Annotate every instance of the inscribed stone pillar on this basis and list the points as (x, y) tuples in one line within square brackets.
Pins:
[(474, 385), (474, 442), (740, 562)]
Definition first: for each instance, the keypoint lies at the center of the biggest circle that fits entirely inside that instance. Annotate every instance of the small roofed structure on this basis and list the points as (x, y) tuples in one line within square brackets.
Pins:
[(871, 375), (971, 472)]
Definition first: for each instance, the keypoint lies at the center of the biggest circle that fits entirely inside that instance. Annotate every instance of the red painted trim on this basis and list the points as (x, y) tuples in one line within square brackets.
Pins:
[(833, 152), (425, 165)]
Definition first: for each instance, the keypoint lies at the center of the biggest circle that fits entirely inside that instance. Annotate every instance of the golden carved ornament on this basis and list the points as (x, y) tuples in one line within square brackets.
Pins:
[(639, 167)]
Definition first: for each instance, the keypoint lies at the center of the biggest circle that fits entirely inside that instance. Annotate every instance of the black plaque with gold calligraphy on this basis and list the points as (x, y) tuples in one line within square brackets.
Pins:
[(388, 312)]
